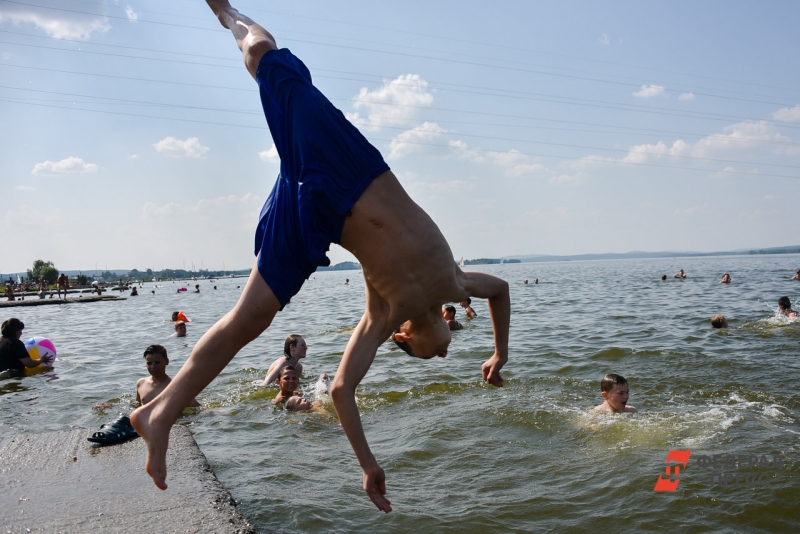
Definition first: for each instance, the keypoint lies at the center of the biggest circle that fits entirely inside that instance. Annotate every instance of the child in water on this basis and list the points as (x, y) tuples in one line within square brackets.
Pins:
[(785, 308), (614, 389), (294, 349), (290, 397), (149, 387)]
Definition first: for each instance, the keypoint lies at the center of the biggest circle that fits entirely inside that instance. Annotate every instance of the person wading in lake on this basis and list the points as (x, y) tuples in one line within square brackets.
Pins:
[(334, 187)]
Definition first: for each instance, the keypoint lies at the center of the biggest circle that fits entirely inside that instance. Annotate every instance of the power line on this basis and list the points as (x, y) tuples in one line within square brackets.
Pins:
[(583, 158), (418, 56), (455, 39), (446, 121), (620, 107)]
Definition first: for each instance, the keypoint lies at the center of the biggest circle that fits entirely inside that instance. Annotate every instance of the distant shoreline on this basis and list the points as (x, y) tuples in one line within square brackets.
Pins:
[(529, 258)]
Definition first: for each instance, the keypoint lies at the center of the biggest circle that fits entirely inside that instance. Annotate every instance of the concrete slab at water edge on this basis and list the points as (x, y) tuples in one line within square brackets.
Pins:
[(105, 489)]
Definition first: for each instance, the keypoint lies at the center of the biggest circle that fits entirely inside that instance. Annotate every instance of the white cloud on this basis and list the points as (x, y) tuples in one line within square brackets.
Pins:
[(395, 103), (134, 156), (412, 141), (202, 207), (686, 96), (526, 169), (70, 165), (453, 185), (568, 178), (175, 148), (649, 91), (58, 25), (26, 215), (735, 138), (507, 159), (603, 40), (24, 188), (787, 114), (270, 155), (132, 15), (463, 151)]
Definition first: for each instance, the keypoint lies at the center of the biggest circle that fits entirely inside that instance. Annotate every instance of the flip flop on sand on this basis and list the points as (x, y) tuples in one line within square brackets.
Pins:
[(114, 432)]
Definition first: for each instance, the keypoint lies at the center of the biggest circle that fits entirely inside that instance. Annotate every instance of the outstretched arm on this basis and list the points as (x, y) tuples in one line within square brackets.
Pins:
[(494, 289), (357, 359)]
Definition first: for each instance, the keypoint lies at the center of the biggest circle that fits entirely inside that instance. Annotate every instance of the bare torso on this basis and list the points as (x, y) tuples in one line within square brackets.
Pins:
[(147, 389), (385, 226)]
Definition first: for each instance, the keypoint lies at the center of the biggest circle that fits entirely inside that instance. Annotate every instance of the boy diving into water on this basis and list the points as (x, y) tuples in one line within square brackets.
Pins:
[(333, 187)]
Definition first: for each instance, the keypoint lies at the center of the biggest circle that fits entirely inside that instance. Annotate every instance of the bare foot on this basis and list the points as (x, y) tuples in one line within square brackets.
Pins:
[(157, 438)]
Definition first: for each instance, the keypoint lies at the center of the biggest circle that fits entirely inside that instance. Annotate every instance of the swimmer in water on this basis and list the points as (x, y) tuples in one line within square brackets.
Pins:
[(290, 397), (197, 288), (719, 321), (726, 279), (663, 277), (155, 356), (180, 329), (294, 350), (466, 304), (449, 314), (680, 274), (796, 276), (785, 308), (614, 389), (525, 281)]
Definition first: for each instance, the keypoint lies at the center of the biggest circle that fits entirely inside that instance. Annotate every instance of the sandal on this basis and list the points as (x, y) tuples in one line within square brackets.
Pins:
[(114, 432)]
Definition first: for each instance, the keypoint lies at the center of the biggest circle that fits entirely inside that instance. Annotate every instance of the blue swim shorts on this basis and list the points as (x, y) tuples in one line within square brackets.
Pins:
[(326, 164)]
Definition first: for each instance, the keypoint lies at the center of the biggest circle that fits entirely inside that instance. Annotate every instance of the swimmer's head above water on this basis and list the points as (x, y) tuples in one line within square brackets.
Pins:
[(423, 337), (295, 347), (614, 389)]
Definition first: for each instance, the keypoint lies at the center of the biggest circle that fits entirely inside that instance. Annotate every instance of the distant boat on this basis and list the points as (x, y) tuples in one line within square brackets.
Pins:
[(461, 263), (502, 261)]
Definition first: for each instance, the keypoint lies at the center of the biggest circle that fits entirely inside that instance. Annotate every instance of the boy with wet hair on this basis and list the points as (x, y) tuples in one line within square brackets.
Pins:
[(467, 308), (333, 187), (294, 350), (785, 308), (148, 388), (719, 321), (180, 329), (614, 389), (449, 314)]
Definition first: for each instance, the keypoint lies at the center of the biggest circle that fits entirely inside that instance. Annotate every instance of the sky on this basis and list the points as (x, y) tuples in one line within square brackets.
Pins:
[(133, 137)]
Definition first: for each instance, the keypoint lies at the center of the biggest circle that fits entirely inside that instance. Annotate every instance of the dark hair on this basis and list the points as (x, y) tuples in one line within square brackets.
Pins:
[(718, 321), (11, 326), (783, 302), (402, 344), (663, 276), (175, 316), (610, 380), (288, 368), (156, 349), (291, 341), (450, 309), (467, 300)]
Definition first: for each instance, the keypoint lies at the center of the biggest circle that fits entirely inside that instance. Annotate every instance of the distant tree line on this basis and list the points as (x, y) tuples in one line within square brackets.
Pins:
[(489, 261)]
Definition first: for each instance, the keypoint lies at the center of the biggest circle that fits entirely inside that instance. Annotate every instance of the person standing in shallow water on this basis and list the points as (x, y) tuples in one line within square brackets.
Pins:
[(294, 350), (334, 187)]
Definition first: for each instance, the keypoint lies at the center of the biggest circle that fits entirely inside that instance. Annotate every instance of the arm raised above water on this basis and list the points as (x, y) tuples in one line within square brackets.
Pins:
[(486, 286), (357, 359)]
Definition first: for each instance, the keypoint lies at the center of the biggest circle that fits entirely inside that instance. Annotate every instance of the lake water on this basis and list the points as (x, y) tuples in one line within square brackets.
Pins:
[(461, 456)]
